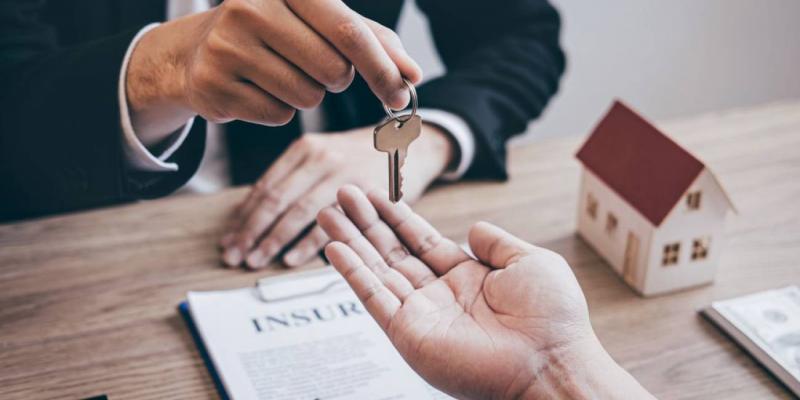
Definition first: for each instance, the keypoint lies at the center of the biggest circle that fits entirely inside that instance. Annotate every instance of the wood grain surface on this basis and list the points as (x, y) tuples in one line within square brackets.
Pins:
[(88, 300)]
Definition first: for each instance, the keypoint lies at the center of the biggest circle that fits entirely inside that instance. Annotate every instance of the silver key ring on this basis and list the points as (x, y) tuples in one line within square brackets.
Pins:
[(413, 91)]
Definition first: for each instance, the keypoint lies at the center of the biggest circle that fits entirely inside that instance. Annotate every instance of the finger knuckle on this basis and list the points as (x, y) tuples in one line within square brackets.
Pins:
[(279, 236), (350, 34), (261, 185), (271, 203), (264, 115), (383, 81), (218, 46), (369, 293), (378, 266), (428, 244), (311, 98), (246, 238), (278, 114), (396, 256), (237, 10), (216, 117), (386, 35), (338, 73)]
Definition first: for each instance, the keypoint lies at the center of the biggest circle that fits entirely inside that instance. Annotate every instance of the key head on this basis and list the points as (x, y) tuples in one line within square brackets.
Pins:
[(394, 135)]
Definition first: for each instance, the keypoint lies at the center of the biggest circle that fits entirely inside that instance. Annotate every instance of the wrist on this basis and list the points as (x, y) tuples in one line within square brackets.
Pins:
[(154, 72), (439, 148), (154, 79), (581, 371)]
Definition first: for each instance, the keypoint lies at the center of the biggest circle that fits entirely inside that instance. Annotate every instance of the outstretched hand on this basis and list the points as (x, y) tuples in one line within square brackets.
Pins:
[(511, 324)]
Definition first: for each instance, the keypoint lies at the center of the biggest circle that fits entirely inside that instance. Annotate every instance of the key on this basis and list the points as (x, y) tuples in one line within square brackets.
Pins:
[(393, 137)]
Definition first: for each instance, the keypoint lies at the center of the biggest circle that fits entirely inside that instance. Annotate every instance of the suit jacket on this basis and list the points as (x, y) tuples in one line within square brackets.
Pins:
[(60, 136)]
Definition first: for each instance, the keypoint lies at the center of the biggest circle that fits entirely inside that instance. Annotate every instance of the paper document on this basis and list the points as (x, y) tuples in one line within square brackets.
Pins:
[(318, 346)]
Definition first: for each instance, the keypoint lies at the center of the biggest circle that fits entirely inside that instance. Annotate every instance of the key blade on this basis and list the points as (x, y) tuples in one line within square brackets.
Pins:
[(394, 178), (400, 160)]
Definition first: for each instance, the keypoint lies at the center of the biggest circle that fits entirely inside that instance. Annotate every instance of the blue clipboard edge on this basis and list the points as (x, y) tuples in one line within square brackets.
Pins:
[(183, 308)]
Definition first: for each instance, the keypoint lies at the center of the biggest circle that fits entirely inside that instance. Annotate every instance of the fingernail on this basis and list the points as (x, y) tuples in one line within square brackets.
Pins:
[(292, 258), (232, 256), (256, 259)]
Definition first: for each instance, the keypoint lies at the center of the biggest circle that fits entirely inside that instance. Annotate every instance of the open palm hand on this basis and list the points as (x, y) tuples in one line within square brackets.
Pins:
[(484, 328)]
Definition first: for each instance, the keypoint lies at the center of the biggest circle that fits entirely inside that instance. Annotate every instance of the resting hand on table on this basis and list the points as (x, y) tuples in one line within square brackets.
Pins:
[(512, 324), (282, 206)]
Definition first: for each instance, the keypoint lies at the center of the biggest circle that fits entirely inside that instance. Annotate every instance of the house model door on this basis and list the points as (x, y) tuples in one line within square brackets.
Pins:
[(629, 269)]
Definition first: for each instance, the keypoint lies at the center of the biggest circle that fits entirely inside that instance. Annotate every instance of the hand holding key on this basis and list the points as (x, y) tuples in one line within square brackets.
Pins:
[(393, 138), (259, 61)]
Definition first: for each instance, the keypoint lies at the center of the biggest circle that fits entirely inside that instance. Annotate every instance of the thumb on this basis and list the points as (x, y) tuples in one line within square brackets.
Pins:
[(409, 68), (495, 247)]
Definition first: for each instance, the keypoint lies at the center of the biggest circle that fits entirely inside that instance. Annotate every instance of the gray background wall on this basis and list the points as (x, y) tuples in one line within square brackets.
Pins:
[(665, 58)]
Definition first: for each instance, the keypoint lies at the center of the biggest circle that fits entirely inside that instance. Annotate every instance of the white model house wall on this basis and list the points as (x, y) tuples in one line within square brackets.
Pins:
[(611, 244), (683, 225)]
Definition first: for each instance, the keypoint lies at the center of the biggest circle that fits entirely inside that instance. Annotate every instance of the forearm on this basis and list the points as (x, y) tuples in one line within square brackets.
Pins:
[(586, 371)]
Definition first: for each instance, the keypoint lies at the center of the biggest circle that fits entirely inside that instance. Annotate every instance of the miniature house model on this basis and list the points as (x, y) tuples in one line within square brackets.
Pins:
[(649, 207)]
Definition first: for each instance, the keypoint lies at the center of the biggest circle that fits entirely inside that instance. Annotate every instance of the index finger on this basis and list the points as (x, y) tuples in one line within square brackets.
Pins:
[(352, 36)]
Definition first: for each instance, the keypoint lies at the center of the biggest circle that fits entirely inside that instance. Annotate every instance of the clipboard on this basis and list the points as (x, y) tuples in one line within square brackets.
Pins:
[(299, 284), (183, 309), (270, 289)]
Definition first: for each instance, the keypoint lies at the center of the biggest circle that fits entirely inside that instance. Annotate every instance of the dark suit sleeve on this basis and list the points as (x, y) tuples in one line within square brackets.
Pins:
[(503, 62), (60, 136)]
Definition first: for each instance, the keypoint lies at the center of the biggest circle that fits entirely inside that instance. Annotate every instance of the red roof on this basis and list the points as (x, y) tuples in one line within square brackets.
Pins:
[(641, 164)]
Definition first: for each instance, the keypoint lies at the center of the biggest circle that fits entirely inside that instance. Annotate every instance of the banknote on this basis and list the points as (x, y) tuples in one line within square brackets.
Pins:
[(771, 320)]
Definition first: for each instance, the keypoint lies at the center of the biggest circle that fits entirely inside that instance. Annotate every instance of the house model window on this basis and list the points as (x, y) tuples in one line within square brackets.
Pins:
[(693, 200), (700, 248), (591, 206), (611, 223), (671, 252)]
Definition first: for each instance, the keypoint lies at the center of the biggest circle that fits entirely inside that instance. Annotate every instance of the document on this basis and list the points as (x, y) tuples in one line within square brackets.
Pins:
[(766, 324), (314, 340)]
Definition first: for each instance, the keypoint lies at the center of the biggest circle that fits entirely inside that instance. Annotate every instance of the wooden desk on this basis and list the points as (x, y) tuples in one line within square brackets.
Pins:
[(88, 301)]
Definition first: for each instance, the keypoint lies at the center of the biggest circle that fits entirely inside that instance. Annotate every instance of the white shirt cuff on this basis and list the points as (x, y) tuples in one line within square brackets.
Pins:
[(137, 156), (458, 129)]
